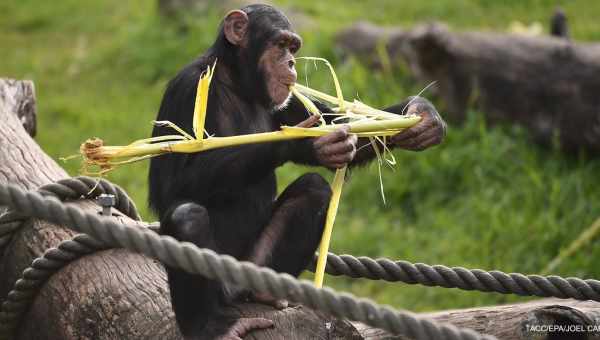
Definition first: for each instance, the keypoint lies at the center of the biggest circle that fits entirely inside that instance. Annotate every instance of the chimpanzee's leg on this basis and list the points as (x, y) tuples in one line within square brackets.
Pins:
[(289, 241), (196, 299)]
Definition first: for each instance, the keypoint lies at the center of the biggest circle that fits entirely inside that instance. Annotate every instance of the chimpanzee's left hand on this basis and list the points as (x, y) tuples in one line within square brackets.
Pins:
[(430, 131)]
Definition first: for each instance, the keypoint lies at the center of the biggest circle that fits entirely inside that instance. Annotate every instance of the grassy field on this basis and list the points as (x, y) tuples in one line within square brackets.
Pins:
[(487, 198)]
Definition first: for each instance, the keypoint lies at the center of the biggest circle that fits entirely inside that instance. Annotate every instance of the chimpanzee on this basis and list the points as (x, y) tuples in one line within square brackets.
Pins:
[(225, 199)]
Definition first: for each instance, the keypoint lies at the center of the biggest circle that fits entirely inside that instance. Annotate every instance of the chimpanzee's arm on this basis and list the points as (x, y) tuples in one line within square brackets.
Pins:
[(427, 133)]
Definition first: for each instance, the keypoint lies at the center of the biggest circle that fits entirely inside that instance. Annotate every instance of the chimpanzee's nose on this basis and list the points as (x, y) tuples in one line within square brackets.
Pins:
[(292, 63)]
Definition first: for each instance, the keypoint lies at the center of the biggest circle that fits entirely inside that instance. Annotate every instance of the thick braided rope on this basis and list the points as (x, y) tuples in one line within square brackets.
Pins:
[(23, 293), (225, 268), (69, 189), (462, 278), (87, 187), (25, 289)]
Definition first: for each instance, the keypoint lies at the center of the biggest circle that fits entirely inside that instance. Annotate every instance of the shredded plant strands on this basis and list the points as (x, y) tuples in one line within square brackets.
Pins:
[(363, 120)]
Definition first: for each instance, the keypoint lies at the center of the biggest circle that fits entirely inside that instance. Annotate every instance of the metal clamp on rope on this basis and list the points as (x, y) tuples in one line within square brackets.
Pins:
[(106, 201)]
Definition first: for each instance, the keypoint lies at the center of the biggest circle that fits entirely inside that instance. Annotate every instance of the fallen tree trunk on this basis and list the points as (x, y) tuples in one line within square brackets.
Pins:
[(116, 294), (536, 320), (549, 85)]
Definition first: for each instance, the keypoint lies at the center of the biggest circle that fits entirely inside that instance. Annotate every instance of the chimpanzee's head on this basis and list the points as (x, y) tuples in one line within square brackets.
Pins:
[(263, 45)]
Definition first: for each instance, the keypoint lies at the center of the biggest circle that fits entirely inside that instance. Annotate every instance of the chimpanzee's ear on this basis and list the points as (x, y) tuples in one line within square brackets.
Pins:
[(235, 26)]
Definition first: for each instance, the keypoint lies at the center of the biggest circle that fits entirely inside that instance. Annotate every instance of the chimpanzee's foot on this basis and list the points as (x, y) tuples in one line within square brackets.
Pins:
[(244, 326), (267, 299)]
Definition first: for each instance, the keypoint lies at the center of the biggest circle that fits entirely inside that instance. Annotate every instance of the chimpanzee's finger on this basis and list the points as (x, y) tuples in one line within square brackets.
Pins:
[(410, 143), (421, 106), (413, 109), (343, 158), (412, 132), (423, 143), (353, 139), (332, 137), (436, 133), (229, 337), (429, 117), (309, 122), (346, 145)]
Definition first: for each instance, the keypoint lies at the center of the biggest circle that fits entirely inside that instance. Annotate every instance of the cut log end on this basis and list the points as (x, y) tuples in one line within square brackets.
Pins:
[(18, 97)]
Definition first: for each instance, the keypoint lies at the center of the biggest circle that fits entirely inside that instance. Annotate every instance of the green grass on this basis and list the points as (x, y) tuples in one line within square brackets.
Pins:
[(486, 198)]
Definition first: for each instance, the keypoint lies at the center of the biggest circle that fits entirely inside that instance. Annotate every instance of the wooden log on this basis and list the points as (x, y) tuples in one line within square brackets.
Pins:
[(536, 320), (547, 84)]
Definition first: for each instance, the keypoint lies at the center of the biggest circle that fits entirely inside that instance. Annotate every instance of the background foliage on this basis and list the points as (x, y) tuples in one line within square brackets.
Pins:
[(486, 198)]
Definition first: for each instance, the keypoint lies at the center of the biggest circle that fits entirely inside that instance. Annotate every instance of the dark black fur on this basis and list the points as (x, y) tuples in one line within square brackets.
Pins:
[(559, 24), (224, 199)]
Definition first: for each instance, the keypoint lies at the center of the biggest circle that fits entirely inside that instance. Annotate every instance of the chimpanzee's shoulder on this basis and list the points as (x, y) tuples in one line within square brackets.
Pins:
[(189, 74)]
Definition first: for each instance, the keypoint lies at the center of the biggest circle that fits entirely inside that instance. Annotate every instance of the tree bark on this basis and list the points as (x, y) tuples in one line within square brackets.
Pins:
[(547, 84), (19, 97), (571, 319), (116, 294)]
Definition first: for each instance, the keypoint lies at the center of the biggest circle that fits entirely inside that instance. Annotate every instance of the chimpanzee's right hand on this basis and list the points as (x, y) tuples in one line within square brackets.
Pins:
[(337, 148)]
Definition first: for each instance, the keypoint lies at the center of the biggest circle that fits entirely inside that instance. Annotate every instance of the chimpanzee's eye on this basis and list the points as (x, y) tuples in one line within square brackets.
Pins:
[(282, 44), (294, 48)]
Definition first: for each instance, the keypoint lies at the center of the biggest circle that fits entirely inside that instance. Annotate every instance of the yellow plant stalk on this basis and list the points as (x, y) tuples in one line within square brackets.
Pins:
[(308, 104), (363, 121), (201, 103), (375, 124), (336, 193), (355, 106), (95, 153)]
